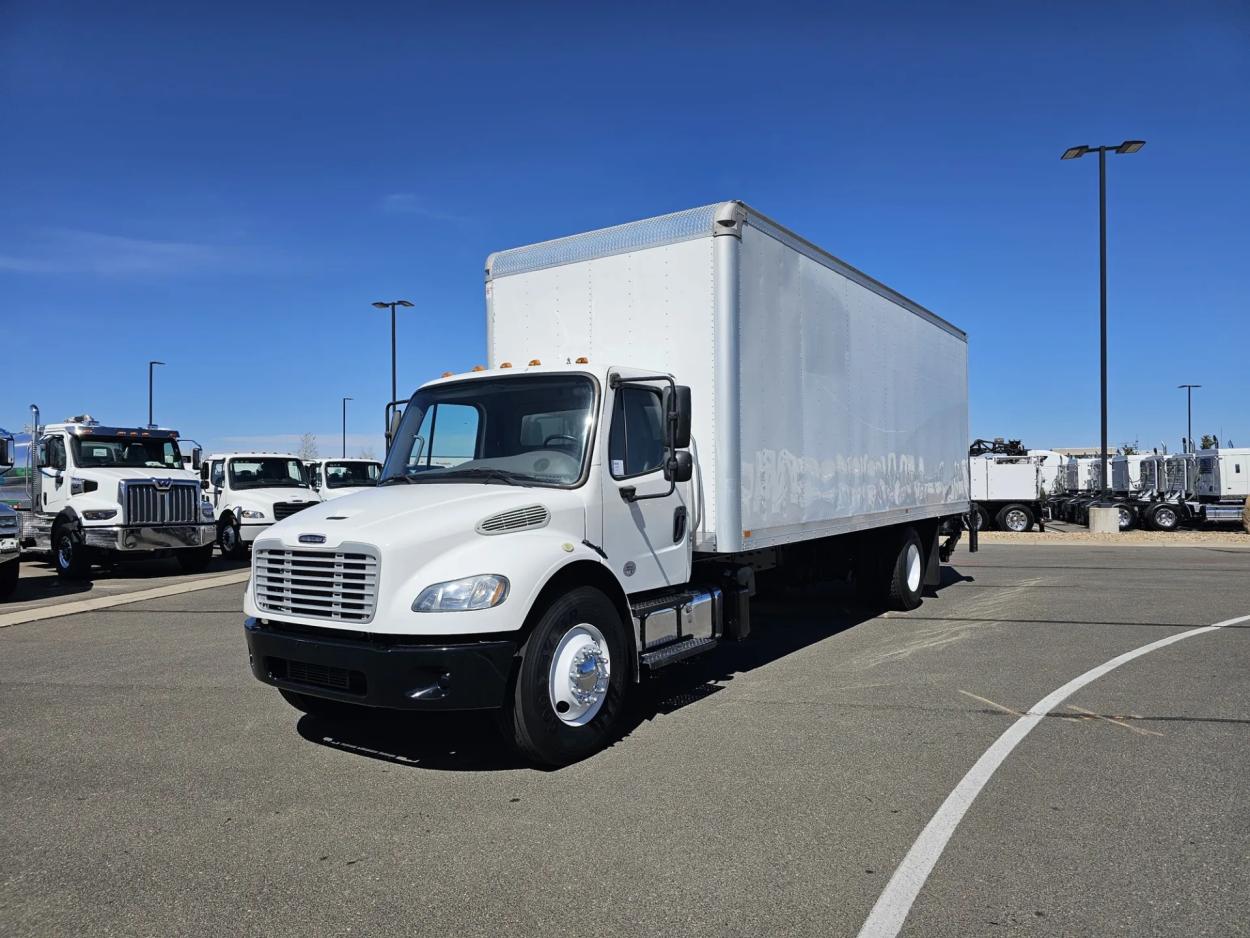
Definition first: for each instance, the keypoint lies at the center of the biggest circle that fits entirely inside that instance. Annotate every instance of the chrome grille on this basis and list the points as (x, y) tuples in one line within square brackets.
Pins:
[(286, 509), (321, 584), (145, 503)]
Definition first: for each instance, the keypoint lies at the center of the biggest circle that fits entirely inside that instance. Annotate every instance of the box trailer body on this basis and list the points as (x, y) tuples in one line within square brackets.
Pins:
[(1006, 491), (826, 401), (671, 407)]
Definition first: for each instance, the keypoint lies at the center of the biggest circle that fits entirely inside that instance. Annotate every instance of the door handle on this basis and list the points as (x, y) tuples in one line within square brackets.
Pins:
[(679, 524)]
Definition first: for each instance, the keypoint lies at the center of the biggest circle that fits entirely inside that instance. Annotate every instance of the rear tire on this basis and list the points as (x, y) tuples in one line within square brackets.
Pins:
[(1128, 517), (322, 708), (69, 552), (1163, 518), (1016, 518), (195, 559), (8, 577), (571, 687)]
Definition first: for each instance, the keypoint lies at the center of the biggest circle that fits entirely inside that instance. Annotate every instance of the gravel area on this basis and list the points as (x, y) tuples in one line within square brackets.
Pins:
[(1062, 533)]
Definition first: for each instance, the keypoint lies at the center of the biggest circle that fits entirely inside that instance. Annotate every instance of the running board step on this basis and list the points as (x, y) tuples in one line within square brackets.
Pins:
[(678, 651)]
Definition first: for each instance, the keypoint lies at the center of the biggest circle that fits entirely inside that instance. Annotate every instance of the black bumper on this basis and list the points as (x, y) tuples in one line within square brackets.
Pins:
[(380, 671)]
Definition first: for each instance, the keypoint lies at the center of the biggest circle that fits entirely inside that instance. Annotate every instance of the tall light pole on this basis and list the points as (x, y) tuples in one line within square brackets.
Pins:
[(1189, 393), (345, 400), (150, 366), (1072, 153), (391, 306)]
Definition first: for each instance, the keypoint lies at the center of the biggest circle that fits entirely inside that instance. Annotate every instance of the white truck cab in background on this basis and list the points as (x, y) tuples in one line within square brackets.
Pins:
[(102, 493), (249, 492), (10, 526), (672, 407), (332, 478)]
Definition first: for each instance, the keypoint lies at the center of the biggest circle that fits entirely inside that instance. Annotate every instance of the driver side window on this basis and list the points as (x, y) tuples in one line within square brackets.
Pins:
[(448, 436), (218, 474), (54, 452), (636, 445)]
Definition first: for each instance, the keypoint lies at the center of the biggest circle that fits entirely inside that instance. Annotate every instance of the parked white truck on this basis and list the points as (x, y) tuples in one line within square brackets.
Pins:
[(673, 405), (248, 492), (10, 533), (332, 478), (104, 494), (1009, 484)]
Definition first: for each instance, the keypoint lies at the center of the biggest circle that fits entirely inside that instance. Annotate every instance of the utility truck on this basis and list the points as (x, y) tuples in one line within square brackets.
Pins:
[(671, 407), (1010, 484), (332, 478), (248, 492), (10, 540), (106, 493)]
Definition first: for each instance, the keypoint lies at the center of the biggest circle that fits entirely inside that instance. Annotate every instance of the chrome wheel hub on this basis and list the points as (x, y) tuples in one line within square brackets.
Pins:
[(581, 670), (1016, 520)]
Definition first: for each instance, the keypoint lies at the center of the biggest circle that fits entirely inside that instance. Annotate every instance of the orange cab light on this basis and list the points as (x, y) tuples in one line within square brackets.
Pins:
[(505, 364), (447, 374), (583, 360), (479, 367), (535, 361)]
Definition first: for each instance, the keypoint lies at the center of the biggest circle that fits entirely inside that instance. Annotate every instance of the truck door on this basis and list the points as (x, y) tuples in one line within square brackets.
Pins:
[(53, 486), (647, 540)]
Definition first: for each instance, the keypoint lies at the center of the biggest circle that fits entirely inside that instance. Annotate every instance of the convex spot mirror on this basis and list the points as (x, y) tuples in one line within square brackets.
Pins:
[(197, 457), (679, 467), (677, 409)]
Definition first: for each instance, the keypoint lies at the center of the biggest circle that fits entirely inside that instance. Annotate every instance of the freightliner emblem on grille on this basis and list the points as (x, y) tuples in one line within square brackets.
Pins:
[(312, 538)]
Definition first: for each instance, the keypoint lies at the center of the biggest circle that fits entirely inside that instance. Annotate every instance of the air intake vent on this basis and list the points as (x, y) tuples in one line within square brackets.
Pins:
[(518, 519)]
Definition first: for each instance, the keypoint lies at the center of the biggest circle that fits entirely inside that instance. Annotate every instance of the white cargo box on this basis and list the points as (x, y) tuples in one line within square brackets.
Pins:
[(1004, 480), (824, 401), (1223, 473)]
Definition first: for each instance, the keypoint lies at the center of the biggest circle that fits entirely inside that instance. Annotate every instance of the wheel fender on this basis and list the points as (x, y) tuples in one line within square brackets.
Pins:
[(584, 568), (68, 515)]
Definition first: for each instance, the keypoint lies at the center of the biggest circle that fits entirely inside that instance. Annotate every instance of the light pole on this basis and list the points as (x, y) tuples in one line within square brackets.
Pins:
[(1189, 393), (150, 365), (391, 306), (1072, 153), (345, 400)]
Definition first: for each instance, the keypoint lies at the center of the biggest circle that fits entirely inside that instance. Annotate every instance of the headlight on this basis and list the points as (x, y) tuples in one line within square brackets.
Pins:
[(248, 513), (103, 515), (472, 592), (206, 509)]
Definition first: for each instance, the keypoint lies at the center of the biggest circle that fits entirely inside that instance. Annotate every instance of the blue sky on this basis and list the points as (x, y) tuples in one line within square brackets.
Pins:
[(227, 186)]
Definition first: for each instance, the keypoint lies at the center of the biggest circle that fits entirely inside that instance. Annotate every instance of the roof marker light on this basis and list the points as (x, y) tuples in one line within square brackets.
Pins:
[(505, 364), (535, 361), (583, 360), (447, 374), (479, 367)]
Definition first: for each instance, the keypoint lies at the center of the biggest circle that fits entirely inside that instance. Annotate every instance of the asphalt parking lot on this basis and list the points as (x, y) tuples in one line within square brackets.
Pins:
[(151, 786)]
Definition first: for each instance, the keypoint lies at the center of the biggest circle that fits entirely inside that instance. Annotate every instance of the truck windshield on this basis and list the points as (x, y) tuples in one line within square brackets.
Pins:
[(255, 472), (342, 475), (121, 451), (523, 430)]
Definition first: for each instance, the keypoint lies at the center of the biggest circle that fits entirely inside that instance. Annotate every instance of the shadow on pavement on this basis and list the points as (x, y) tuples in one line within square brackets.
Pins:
[(471, 741)]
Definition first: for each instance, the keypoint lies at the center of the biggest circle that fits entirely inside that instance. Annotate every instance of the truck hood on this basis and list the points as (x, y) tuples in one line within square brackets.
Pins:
[(267, 497), (425, 514)]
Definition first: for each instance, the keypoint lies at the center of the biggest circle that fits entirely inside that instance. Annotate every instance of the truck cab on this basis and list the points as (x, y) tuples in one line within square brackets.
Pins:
[(248, 492), (10, 547), (333, 478), (107, 493)]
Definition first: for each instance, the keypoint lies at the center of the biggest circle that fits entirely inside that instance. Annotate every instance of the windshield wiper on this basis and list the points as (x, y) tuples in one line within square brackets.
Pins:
[(483, 473), (407, 480)]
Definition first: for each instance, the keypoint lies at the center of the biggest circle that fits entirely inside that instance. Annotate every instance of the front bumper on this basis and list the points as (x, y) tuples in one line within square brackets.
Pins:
[(380, 671), (159, 537)]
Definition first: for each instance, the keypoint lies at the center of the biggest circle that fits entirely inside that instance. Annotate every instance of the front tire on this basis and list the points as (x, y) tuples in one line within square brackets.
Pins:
[(1128, 517), (8, 578), (228, 539), (571, 686), (69, 553), (195, 559), (1163, 518)]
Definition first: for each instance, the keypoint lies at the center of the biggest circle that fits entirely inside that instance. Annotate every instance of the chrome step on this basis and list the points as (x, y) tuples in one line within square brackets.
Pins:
[(678, 651)]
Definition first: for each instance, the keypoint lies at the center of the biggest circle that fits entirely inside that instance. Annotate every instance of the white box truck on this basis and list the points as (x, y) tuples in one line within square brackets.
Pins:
[(333, 478), (671, 406), (249, 492)]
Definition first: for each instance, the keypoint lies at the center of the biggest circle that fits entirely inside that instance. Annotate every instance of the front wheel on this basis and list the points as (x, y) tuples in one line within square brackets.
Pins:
[(1163, 518), (571, 686), (1128, 517), (8, 578), (1017, 518), (69, 553), (228, 539)]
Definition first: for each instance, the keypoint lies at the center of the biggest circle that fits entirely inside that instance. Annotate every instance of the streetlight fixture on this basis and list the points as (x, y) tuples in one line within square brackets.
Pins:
[(380, 304), (345, 400), (1073, 153), (1189, 393), (150, 366)]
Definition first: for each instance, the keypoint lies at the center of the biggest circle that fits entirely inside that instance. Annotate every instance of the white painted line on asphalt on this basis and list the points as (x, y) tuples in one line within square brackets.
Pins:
[(57, 610), (892, 906)]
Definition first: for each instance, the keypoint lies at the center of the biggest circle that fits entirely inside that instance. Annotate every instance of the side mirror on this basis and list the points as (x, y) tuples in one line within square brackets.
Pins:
[(677, 409), (6, 453), (204, 484), (197, 458), (41, 454), (679, 467)]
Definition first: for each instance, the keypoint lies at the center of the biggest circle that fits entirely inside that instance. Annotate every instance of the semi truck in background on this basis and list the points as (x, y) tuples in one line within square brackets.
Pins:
[(672, 407), (1207, 487), (1010, 484), (104, 494), (332, 478), (10, 539), (248, 492)]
